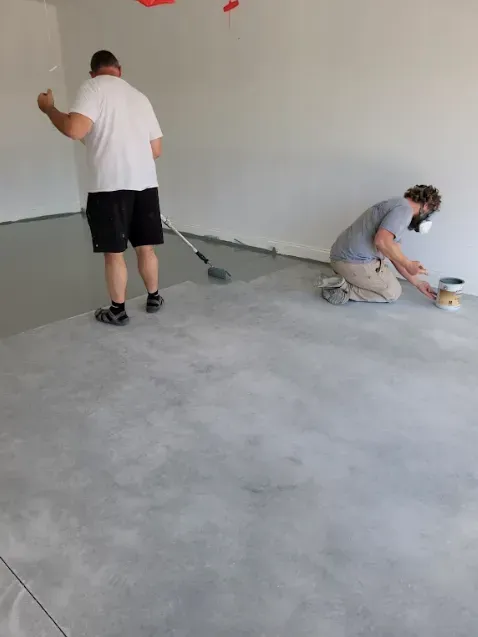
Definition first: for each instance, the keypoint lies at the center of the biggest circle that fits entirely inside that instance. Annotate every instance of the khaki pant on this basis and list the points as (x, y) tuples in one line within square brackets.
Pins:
[(373, 282)]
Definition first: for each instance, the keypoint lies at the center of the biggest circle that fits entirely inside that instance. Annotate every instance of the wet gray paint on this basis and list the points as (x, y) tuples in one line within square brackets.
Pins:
[(48, 270)]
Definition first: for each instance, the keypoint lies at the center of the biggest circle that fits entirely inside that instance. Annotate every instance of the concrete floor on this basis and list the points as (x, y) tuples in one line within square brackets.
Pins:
[(251, 462), (48, 271)]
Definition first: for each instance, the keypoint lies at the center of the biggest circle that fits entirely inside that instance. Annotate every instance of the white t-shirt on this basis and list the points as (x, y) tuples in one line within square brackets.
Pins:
[(118, 147)]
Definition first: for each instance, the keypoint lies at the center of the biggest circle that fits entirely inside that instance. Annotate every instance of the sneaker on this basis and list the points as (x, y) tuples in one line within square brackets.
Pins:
[(336, 296), (153, 304), (329, 281), (105, 315)]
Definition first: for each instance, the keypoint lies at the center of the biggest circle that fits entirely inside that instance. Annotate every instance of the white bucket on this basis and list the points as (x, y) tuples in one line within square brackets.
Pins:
[(449, 294)]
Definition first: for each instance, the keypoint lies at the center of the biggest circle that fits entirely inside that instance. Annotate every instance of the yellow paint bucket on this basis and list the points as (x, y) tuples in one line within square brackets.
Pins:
[(449, 294)]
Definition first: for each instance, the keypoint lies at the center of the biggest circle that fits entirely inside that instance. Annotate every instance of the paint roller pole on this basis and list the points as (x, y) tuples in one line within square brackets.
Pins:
[(213, 271), (50, 42)]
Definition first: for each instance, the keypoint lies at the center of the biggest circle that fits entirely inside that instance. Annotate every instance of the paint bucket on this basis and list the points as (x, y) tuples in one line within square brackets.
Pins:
[(449, 294)]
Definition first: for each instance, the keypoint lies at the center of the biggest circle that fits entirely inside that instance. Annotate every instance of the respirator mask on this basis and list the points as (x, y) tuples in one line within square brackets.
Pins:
[(421, 223)]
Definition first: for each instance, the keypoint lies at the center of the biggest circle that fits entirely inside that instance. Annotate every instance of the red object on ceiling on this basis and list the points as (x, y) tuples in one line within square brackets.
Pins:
[(232, 4), (155, 3)]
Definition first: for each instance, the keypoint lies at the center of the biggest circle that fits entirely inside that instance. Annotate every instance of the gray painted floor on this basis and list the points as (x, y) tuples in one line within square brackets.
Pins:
[(48, 271), (20, 615), (253, 461)]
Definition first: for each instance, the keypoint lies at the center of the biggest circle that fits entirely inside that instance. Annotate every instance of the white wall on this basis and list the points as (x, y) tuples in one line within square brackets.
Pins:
[(282, 129), (37, 170)]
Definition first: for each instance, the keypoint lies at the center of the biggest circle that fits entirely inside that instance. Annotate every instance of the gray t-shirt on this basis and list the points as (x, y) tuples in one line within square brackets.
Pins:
[(356, 244)]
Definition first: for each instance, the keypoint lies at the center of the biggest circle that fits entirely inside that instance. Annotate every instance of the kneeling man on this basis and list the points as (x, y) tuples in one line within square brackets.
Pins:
[(358, 254)]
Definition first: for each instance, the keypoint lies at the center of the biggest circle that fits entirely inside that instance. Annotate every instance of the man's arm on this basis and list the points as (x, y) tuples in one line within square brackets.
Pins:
[(384, 242), (155, 132), (157, 147), (72, 125), (414, 280), (402, 264), (423, 286)]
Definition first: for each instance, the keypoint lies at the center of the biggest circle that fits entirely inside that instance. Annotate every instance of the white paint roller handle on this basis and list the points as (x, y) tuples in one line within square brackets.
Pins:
[(167, 222)]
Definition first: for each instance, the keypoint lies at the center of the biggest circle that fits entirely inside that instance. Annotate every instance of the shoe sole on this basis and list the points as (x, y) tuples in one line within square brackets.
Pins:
[(326, 284), (122, 324)]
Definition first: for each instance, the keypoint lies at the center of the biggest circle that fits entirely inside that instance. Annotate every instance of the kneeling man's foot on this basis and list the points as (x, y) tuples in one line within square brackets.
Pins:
[(328, 281), (336, 296)]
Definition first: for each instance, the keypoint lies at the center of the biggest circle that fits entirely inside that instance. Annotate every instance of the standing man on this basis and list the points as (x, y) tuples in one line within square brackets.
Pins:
[(122, 136), (358, 254)]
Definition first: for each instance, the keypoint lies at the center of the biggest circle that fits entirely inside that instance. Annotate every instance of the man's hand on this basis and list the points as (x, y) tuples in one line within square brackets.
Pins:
[(415, 267), (426, 289), (46, 101)]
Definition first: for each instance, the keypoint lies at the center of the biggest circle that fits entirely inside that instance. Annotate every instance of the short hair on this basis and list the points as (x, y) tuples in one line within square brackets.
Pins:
[(425, 195), (103, 60)]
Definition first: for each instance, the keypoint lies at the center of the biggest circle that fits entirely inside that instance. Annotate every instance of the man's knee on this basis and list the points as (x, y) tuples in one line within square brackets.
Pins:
[(113, 257), (393, 291), (145, 251)]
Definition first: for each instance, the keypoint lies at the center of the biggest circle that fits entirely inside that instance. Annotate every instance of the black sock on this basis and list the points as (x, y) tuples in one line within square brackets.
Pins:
[(117, 308), (153, 295)]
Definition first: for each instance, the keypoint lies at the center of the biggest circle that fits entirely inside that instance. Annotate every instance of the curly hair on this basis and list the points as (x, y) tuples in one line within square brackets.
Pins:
[(425, 195)]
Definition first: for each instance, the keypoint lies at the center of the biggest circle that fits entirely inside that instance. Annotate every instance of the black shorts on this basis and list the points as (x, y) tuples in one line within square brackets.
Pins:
[(124, 215)]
